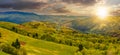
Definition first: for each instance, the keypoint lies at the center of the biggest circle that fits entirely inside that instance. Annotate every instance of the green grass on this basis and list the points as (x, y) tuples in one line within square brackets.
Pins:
[(36, 47), (7, 25), (93, 44), (2, 53)]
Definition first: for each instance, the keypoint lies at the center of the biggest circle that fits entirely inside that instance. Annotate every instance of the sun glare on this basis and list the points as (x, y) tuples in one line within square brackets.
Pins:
[(102, 12)]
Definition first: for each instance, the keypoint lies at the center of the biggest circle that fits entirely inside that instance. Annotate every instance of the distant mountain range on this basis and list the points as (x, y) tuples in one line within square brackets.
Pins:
[(21, 17), (81, 23)]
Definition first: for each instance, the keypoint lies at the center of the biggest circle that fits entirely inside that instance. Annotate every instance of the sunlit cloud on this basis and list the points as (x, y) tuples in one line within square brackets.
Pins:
[(55, 6)]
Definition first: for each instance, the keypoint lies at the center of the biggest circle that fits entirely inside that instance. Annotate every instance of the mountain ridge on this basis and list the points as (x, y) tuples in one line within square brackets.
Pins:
[(21, 17)]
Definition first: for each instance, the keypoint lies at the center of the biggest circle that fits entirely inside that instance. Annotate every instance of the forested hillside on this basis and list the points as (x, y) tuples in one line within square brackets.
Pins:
[(30, 46), (81, 43), (110, 26), (85, 24)]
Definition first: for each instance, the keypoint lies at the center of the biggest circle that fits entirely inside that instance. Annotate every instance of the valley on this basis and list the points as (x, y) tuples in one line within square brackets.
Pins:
[(73, 36)]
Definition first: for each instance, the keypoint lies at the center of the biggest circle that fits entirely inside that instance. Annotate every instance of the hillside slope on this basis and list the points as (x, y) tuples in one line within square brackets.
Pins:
[(109, 26), (3, 53), (36, 47), (92, 44)]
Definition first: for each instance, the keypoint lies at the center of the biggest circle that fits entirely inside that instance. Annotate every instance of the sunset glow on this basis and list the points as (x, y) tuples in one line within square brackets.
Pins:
[(102, 12)]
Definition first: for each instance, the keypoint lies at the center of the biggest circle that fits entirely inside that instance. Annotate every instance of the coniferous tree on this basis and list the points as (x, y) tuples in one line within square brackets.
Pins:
[(33, 36), (27, 34), (0, 35), (16, 44), (14, 29), (80, 47), (36, 35)]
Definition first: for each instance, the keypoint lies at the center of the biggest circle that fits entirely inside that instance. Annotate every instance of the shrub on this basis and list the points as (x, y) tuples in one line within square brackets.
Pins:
[(8, 49), (16, 44), (0, 35), (80, 47)]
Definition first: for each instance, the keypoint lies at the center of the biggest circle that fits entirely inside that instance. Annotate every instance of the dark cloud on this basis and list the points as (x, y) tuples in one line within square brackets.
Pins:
[(23, 5), (61, 10), (39, 5), (81, 2), (53, 6), (56, 8)]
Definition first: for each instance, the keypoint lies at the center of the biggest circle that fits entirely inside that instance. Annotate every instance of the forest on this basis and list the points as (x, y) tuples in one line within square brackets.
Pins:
[(86, 43)]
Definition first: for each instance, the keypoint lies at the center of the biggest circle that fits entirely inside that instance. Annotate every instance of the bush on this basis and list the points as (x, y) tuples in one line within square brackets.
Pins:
[(8, 49), (0, 35), (80, 47), (16, 44), (48, 37), (12, 50)]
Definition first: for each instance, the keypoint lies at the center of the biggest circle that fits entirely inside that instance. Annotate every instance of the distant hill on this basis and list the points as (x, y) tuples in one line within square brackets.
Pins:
[(110, 26), (84, 24), (21, 17)]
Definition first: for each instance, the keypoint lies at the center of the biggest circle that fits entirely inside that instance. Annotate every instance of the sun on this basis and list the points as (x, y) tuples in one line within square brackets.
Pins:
[(102, 12)]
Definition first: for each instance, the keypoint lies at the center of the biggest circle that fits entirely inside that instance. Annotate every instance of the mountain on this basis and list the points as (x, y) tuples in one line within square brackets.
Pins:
[(33, 46), (110, 26), (21, 17), (17, 17), (83, 24)]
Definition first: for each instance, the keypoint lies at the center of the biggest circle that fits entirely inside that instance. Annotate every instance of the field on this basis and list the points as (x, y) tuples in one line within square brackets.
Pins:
[(37, 47)]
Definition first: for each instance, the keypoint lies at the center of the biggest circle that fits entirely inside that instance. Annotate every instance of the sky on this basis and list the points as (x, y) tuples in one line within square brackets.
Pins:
[(58, 7)]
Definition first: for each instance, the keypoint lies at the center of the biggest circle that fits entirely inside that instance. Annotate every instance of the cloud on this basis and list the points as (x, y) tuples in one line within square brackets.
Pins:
[(81, 2), (113, 2), (46, 6), (22, 5), (57, 8), (116, 12), (40, 5)]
